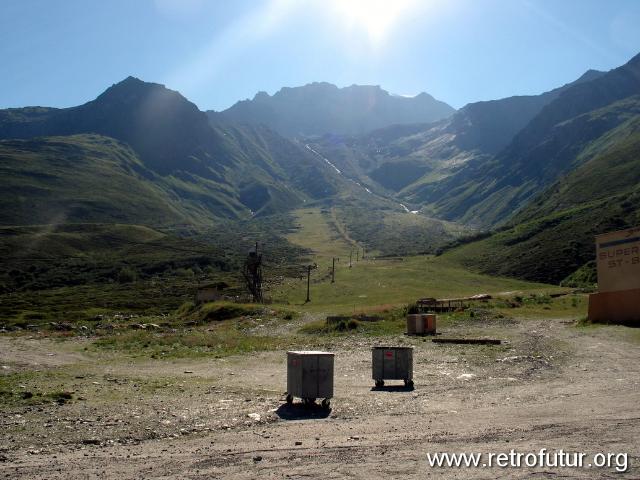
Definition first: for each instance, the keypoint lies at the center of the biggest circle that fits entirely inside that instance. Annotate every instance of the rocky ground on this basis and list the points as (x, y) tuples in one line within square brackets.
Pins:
[(549, 385)]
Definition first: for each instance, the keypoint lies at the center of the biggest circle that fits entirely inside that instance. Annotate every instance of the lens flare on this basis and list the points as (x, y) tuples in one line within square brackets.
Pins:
[(375, 17)]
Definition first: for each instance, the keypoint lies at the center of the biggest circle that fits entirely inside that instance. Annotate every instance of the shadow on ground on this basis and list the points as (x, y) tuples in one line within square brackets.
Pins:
[(301, 411), (393, 388)]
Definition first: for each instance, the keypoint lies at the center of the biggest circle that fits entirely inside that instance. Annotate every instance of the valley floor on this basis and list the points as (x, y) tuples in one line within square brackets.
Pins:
[(549, 385)]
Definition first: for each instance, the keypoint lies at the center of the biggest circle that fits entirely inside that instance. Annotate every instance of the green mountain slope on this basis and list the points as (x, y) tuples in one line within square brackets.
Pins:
[(273, 174), (487, 193), (554, 236), (609, 166), (91, 178), (221, 171), (319, 108)]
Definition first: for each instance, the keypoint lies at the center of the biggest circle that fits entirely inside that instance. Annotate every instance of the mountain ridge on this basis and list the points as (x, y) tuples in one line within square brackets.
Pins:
[(229, 171), (319, 108)]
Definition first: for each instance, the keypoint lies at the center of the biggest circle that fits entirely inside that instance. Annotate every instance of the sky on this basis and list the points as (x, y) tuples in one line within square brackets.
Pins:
[(62, 53)]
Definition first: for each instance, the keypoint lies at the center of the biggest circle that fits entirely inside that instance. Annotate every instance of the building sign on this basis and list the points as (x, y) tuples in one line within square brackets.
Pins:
[(618, 260)]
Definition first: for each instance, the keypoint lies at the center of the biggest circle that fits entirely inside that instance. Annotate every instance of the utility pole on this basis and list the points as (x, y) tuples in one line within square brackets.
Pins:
[(333, 269), (309, 268)]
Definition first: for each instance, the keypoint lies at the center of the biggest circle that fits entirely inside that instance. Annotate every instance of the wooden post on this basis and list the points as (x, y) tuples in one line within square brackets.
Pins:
[(308, 282), (350, 257), (333, 269), (357, 255)]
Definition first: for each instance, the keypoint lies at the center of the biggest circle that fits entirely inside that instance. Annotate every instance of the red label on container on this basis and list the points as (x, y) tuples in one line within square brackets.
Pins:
[(388, 354)]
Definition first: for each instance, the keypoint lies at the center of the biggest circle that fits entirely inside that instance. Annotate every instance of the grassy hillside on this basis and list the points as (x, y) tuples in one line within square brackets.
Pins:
[(554, 236), (43, 256), (375, 283), (378, 283), (77, 273), (64, 272), (38, 258), (394, 232), (82, 178)]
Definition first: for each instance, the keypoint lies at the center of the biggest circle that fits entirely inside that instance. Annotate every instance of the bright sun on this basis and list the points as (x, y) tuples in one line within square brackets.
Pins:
[(375, 17)]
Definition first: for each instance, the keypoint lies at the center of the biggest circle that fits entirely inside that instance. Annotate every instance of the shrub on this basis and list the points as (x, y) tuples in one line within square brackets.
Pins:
[(540, 299), (184, 272), (127, 275), (585, 276), (215, 311), (185, 308), (352, 324)]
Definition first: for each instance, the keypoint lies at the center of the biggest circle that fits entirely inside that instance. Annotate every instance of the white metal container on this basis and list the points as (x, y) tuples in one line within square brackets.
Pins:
[(392, 363), (310, 376)]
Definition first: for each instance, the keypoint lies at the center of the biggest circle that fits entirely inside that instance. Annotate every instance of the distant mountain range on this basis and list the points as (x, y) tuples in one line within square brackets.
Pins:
[(546, 172), (550, 171), (425, 164), (320, 108)]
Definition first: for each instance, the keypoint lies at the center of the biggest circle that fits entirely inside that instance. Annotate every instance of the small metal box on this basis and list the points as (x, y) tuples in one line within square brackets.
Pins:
[(421, 324), (392, 363), (310, 376)]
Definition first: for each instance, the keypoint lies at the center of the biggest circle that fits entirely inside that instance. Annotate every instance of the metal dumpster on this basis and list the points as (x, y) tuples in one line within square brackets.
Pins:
[(310, 376), (392, 363), (421, 323)]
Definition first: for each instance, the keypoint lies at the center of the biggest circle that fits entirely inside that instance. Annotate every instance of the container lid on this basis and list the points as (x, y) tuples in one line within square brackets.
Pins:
[(308, 352), (387, 347)]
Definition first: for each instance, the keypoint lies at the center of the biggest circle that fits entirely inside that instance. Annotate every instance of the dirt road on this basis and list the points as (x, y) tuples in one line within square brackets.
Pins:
[(550, 386)]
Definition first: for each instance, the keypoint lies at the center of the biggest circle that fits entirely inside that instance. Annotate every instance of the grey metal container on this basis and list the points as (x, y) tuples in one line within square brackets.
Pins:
[(392, 363), (310, 376)]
